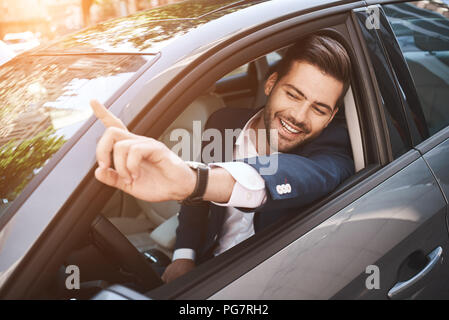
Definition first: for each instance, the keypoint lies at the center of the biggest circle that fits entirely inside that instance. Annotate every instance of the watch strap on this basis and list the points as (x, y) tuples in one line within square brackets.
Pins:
[(196, 198)]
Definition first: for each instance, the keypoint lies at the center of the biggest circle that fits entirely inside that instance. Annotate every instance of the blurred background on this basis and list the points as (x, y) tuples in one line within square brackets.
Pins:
[(25, 24)]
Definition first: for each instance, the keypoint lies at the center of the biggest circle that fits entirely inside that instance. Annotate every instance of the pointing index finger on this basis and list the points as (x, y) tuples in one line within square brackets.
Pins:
[(105, 116), (106, 145)]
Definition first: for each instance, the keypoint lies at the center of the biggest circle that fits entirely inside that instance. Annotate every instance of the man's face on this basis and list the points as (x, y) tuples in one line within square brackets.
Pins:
[(300, 104)]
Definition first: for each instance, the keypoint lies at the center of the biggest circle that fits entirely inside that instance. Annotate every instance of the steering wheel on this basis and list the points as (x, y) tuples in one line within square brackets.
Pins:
[(112, 242)]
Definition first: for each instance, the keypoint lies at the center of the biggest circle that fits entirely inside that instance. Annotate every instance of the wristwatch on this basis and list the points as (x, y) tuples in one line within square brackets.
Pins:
[(202, 173)]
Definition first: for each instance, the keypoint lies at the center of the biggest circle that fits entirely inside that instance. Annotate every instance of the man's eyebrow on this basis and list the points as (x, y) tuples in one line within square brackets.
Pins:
[(302, 94)]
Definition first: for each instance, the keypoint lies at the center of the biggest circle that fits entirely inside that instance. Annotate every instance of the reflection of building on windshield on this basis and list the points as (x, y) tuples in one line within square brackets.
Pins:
[(25, 126), (438, 6), (58, 88)]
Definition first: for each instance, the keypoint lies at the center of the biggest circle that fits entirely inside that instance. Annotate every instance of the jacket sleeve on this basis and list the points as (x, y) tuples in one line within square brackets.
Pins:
[(309, 178), (301, 179), (192, 227)]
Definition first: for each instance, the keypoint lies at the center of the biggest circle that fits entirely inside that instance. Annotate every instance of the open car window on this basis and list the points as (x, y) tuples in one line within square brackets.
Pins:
[(152, 226)]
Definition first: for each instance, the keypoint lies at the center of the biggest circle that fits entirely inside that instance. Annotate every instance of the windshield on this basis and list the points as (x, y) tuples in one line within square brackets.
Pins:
[(147, 31), (44, 100)]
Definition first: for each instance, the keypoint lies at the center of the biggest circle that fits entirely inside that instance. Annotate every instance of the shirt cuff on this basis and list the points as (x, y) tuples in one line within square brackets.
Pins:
[(249, 188), (184, 253)]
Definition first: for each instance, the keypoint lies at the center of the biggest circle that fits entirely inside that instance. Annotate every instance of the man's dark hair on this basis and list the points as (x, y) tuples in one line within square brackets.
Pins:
[(323, 52)]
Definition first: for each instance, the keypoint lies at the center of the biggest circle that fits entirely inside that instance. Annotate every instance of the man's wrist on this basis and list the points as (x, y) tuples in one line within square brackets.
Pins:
[(220, 186), (199, 182), (184, 253)]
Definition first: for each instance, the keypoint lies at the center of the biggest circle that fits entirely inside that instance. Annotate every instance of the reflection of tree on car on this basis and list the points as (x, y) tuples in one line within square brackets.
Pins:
[(147, 31), (44, 101), (19, 162)]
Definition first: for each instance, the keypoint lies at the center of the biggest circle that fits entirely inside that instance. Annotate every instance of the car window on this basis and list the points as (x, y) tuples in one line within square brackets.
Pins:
[(396, 123), (422, 32), (272, 58), (44, 100), (238, 71)]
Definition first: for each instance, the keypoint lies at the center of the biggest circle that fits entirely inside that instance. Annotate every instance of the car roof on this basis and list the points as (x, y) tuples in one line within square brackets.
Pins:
[(149, 31)]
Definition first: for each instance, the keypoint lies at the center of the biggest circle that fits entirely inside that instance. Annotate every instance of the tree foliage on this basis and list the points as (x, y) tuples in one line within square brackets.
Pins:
[(20, 161)]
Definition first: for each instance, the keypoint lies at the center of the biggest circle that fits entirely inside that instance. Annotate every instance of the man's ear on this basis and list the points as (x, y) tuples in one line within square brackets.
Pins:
[(332, 116), (271, 81)]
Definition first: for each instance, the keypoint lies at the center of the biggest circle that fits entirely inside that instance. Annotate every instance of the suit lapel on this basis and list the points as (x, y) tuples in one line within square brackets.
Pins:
[(231, 120)]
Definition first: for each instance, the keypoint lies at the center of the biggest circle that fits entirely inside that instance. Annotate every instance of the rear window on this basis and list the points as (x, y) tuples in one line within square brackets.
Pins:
[(422, 31), (44, 100)]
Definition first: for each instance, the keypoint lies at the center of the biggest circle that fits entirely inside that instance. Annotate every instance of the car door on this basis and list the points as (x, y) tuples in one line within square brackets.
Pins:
[(385, 237)]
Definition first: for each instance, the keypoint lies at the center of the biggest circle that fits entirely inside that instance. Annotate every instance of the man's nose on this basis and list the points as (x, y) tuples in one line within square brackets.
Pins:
[(301, 112)]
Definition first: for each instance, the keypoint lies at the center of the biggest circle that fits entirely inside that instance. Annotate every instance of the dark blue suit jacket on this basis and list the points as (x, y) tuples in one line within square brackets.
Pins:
[(313, 170)]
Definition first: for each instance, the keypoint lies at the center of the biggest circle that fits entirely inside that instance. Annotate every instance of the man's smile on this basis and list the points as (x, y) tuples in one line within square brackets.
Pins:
[(287, 130)]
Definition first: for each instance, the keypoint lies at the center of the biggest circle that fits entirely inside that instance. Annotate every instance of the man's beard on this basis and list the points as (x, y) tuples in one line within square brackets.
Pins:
[(292, 144)]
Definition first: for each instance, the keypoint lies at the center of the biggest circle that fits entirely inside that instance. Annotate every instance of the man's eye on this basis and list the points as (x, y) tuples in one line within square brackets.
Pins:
[(291, 95), (321, 112)]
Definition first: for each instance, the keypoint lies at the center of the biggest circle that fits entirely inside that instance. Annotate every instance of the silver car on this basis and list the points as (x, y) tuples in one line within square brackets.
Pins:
[(382, 234)]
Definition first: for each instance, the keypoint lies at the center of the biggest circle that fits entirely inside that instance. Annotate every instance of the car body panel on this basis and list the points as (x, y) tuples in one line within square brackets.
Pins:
[(322, 262), (437, 158)]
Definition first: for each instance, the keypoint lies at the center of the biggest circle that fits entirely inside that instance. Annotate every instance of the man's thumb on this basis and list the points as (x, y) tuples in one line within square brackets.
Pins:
[(107, 176)]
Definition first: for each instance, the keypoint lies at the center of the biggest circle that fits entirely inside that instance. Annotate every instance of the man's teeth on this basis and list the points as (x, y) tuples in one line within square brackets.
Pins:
[(289, 128)]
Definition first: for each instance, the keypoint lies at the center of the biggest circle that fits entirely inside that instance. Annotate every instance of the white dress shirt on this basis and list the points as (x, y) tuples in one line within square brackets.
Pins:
[(248, 192)]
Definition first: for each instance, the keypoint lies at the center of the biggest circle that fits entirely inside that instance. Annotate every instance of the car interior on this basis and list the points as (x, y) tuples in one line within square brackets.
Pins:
[(151, 227)]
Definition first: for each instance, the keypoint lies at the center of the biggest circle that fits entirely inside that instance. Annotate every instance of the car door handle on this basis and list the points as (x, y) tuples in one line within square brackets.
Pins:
[(405, 288)]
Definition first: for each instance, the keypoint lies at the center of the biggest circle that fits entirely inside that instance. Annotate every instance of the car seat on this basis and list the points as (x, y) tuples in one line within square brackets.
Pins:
[(162, 216)]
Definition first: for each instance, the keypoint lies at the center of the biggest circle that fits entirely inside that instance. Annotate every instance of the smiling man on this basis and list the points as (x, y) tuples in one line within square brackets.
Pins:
[(226, 203)]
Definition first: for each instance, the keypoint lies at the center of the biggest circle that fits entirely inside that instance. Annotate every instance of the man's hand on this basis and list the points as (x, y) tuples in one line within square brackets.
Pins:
[(177, 268), (143, 167), (146, 169)]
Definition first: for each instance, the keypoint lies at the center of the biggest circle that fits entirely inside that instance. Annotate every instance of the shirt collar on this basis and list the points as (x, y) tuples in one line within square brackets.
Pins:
[(240, 138)]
